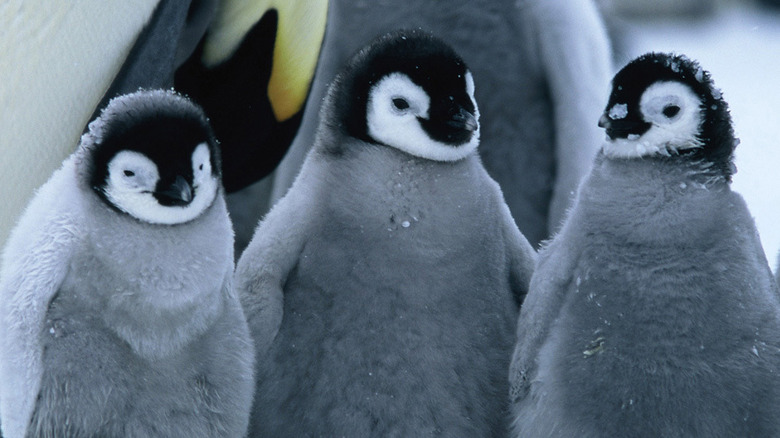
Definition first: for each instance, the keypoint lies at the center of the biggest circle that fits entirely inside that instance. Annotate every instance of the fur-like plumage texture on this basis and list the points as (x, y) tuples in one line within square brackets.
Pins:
[(653, 312), (382, 292), (111, 326), (541, 76)]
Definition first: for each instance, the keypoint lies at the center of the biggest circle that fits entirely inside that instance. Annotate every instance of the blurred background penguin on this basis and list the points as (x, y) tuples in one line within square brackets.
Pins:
[(249, 64)]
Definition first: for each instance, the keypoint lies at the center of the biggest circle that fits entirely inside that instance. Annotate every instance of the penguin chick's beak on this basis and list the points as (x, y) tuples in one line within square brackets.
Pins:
[(622, 128), (179, 193), (463, 120), (604, 121)]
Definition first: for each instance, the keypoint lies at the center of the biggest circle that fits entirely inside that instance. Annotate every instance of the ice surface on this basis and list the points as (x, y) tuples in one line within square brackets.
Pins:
[(740, 47)]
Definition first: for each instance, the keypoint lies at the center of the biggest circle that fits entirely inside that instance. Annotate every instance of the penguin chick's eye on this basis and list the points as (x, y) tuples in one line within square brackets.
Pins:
[(670, 103), (201, 164), (671, 111), (400, 103), (128, 172)]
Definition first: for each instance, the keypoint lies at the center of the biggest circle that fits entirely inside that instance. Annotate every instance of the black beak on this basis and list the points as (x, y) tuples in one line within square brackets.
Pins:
[(622, 128), (463, 120), (179, 193), (604, 121)]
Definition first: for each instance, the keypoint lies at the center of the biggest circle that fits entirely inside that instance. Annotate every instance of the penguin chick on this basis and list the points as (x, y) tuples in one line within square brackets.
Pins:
[(653, 312), (383, 289), (117, 313)]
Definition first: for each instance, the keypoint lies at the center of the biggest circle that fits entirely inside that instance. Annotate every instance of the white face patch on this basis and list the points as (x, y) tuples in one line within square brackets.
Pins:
[(394, 105), (470, 92), (675, 113), (133, 177), (201, 169)]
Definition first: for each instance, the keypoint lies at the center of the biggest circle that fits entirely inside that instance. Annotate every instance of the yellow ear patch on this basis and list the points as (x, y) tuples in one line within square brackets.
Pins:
[(300, 30)]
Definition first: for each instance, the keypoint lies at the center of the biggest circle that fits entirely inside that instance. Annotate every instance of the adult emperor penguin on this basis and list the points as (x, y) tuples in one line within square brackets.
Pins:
[(382, 290), (542, 74), (247, 63), (117, 311), (653, 312)]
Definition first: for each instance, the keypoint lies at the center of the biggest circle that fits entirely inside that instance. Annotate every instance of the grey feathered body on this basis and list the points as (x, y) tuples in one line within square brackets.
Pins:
[(94, 384), (398, 307), (144, 335), (653, 313)]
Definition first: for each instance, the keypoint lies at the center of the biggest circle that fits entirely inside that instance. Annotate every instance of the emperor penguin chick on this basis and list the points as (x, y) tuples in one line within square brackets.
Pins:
[(117, 312), (382, 291), (653, 312)]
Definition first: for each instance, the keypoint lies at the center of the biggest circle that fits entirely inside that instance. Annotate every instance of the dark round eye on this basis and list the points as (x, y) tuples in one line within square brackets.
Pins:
[(129, 173), (671, 111), (400, 103), (200, 167)]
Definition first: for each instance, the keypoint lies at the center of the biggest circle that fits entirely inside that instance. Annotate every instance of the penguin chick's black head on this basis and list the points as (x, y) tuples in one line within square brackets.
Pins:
[(408, 90), (664, 104), (153, 156)]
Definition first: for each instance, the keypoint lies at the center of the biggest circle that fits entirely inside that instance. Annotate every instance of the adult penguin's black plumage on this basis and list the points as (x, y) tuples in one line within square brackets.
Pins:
[(251, 73)]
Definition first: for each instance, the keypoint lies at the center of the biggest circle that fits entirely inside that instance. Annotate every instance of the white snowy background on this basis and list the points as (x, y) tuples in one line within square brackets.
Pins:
[(739, 44)]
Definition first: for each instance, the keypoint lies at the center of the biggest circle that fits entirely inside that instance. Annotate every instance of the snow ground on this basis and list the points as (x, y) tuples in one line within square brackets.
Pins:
[(740, 47)]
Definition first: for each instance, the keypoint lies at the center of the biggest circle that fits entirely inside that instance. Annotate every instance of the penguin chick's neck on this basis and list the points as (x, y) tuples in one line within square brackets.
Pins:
[(695, 161), (666, 195)]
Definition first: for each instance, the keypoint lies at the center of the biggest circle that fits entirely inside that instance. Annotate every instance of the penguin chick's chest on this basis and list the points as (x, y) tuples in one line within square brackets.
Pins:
[(156, 287), (414, 226), (96, 382), (400, 293), (659, 309), (655, 269), (409, 252)]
